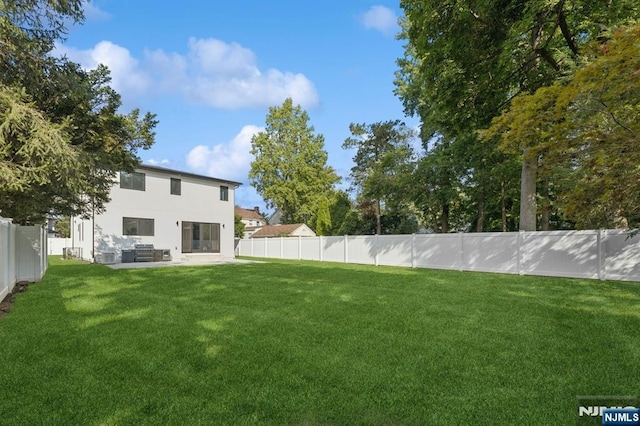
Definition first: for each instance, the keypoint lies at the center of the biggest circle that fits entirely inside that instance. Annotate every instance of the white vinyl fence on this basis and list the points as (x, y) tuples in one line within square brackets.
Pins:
[(23, 254), (57, 246), (602, 254)]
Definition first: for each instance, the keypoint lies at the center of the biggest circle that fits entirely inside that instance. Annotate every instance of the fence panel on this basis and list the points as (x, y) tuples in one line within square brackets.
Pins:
[(260, 247), (56, 245), (361, 249), (621, 256), (310, 248), (31, 252), (490, 252), (438, 251), (333, 249), (7, 262), (560, 253), (395, 250), (274, 247), (290, 248), (609, 254), (23, 254), (243, 247)]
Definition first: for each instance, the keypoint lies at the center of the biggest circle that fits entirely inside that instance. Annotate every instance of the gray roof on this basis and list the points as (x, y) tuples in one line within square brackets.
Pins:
[(186, 174)]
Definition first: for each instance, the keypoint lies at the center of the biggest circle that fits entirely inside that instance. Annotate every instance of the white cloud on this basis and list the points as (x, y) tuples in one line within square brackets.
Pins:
[(382, 19), (226, 75), (127, 76), (231, 160), (93, 12), (153, 162), (211, 73)]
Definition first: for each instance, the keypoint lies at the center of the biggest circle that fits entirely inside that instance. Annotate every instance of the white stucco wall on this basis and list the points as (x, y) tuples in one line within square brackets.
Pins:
[(199, 202)]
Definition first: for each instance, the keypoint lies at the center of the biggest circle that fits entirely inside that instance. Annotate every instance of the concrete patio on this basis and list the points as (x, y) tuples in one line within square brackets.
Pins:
[(191, 260)]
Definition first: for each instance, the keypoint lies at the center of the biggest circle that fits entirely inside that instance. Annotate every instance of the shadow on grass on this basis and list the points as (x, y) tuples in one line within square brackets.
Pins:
[(301, 342)]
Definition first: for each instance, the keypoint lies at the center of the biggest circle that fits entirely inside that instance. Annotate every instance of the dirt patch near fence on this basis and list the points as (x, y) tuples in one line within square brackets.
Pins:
[(7, 302)]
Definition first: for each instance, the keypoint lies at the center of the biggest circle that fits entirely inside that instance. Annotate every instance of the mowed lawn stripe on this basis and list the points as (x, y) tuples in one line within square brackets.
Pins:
[(287, 342)]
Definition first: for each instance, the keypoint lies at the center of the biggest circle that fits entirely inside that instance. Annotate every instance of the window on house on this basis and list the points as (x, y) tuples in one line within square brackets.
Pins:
[(137, 226), (133, 180), (176, 186), (224, 193)]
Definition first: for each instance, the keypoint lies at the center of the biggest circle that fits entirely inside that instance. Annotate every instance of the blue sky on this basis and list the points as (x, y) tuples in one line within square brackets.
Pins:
[(210, 70)]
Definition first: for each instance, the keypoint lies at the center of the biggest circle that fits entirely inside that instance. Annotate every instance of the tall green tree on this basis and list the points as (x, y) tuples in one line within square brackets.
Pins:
[(437, 191), (93, 142), (290, 168), (344, 217), (34, 153), (383, 163), (464, 62), (590, 124), (62, 132), (28, 31)]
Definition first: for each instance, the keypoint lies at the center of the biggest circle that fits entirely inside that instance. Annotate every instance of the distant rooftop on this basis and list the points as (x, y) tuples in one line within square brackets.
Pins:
[(279, 230), (252, 214), (188, 174)]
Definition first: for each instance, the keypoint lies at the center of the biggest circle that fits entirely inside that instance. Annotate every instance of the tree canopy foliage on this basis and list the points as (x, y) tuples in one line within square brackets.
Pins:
[(383, 164), (290, 169), (466, 63), (589, 124), (62, 137)]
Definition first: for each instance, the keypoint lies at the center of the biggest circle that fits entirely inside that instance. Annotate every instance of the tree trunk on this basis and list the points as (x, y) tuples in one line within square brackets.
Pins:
[(445, 218), (528, 205)]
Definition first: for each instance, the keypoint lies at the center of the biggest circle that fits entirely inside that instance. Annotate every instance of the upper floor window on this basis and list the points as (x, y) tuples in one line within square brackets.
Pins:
[(176, 186), (224, 193), (133, 180)]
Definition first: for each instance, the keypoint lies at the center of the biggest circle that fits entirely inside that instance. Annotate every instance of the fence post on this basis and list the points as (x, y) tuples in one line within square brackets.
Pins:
[(346, 249), (602, 273), (299, 247), (4, 252), (44, 251), (461, 251), (519, 254), (413, 250), (320, 248), (281, 247)]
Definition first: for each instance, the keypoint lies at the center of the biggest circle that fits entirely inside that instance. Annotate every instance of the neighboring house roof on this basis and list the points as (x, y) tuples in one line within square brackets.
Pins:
[(186, 174), (249, 214), (250, 230), (276, 217), (283, 231)]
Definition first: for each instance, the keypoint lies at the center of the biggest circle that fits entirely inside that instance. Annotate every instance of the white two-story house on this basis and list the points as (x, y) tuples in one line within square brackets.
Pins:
[(185, 213)]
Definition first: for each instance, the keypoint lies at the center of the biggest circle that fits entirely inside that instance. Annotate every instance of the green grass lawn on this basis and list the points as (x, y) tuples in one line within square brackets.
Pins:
[(312, 343)]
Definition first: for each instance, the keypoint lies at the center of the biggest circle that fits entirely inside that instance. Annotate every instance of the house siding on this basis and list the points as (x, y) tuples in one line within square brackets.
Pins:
[(199, 201)]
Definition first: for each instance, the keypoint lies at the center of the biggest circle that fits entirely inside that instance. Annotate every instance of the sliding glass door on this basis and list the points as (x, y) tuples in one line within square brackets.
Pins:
[(200, 237)]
